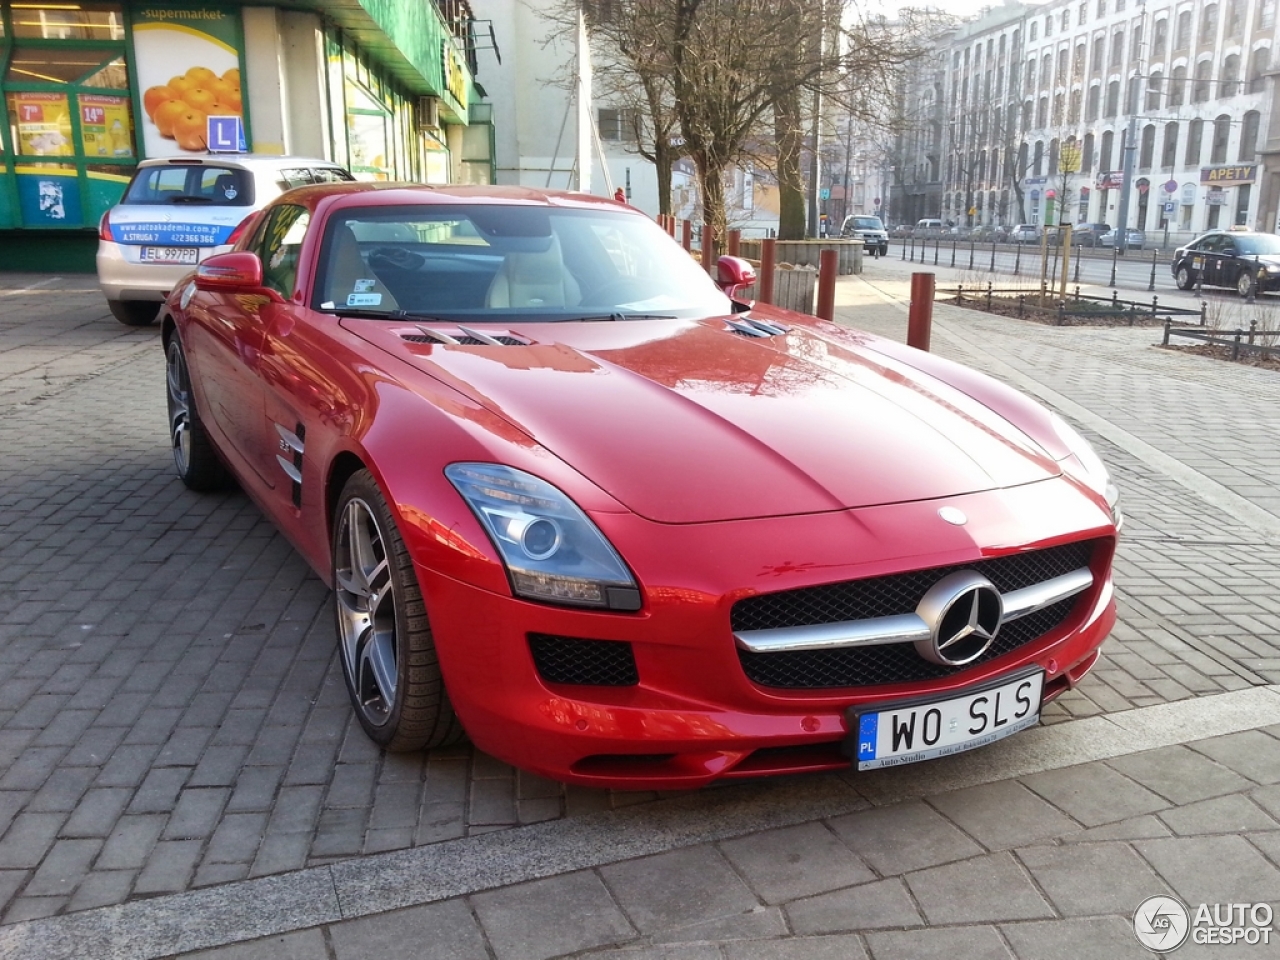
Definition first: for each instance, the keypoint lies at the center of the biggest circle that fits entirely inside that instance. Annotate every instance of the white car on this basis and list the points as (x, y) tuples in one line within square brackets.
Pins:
[(178, 210)]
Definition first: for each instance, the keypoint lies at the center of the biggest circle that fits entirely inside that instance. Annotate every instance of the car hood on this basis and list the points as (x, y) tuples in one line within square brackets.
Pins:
[(690, 421)]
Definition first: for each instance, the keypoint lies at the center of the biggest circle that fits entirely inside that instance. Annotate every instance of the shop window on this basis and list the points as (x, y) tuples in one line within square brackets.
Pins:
[(67, 21), (616, 125), (66, 65)]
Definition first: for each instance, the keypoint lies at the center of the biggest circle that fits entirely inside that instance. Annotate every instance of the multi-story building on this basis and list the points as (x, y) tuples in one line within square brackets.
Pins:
[(1041, 105)]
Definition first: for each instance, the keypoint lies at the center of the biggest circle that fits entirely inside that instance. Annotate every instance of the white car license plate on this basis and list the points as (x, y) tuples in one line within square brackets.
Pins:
[(169, 255), (922, 731)]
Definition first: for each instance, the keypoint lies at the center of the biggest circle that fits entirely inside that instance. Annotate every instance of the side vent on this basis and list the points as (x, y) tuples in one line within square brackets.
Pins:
[(292, 445), (751, 327)]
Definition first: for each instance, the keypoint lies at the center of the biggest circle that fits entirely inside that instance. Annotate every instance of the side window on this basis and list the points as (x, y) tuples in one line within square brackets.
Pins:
[(278, 241), (332, 175)]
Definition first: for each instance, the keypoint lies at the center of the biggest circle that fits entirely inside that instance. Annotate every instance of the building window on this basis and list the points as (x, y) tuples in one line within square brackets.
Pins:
[(1113, 99), (616, 125), (1235, 19), (1160, 39), (1177, 86), (1266, 14), (1035, 31), (1104, 152), (1230, 84), (1091, 107), (1148, 148), (1117, 48), (1221, 136), (1154, 83), (1249, 136), (1200, 88), (1209, 25), (1182, 38), (1195, 134), (1096, 61), (1086, 155), (1169, 153), (1102, 8), (1135, 43), (1257, 67)]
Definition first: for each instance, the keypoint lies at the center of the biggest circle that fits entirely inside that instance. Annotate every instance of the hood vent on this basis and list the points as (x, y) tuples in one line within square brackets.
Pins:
[(466, 338), (751, 327)]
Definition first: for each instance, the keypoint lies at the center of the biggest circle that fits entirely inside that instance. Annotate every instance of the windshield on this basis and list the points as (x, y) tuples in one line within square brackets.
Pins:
[(1259, 244), (478, 262), (191, 184), (867, 223)]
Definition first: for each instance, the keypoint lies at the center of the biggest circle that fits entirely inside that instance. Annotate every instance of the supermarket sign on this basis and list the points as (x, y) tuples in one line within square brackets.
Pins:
[(1224, 175)]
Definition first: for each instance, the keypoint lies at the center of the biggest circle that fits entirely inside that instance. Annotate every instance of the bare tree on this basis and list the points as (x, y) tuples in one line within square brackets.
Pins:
[(714, 75)]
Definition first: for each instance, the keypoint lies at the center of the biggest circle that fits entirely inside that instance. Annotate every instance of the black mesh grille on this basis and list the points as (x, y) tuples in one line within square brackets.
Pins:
[(602, 663), (889, 596), (462, 340)]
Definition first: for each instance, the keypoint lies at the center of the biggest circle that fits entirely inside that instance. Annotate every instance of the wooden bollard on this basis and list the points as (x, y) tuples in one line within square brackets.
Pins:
[(828, 267), (920, 314), (768, 262), (735, 239), (708, 247), (686, 235)]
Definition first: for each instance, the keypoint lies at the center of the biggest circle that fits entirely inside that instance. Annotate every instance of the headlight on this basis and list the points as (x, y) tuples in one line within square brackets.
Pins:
[(1095, 471), (552, 551)]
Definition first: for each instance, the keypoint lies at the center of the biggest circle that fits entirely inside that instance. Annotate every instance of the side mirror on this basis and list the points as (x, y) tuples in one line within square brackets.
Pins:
[(236, 272), (734, 273)]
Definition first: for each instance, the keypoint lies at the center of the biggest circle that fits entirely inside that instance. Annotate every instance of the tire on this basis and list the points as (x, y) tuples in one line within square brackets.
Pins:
[(1184, 278), (194, 458), (134, 313), (384, 638), (1245, 284)]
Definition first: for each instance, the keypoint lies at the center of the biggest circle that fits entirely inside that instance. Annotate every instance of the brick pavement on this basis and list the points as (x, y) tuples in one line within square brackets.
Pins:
[(173, 717)]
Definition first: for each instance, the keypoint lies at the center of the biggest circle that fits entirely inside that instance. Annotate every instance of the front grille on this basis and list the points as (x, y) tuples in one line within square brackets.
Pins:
[(602, 663), (890, 596)]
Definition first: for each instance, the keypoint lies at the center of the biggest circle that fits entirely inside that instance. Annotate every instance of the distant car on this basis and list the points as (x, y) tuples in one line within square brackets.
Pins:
[(1089, 234), (1246, 260), (869, 230), (177, 211), (1025, 233), (625, 529), (1135, 239)]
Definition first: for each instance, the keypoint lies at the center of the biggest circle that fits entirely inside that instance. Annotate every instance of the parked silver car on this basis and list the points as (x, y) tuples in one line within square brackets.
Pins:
[(178, 210), (869, 230)]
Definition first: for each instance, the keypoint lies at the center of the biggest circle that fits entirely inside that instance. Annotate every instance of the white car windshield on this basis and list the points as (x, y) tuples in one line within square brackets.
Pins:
[(501, 261)]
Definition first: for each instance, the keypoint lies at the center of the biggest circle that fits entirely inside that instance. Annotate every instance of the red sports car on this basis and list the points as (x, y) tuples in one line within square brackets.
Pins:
[(618, 525)]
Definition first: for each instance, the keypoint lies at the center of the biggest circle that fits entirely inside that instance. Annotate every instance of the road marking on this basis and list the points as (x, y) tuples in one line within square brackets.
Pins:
[(29, 287)]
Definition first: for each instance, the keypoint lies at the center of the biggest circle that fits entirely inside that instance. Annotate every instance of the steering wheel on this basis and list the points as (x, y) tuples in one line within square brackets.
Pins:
[(396, 257), (617, 290)]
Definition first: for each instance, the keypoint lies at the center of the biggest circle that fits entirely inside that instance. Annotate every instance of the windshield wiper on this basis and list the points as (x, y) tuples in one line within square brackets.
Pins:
[(364, 314), (617, 315)]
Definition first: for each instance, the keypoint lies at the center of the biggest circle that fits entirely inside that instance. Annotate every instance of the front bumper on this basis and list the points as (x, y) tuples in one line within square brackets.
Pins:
[(694, 716)]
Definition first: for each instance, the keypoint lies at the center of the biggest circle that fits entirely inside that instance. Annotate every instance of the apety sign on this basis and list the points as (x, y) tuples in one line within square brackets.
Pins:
[(1224, 175)]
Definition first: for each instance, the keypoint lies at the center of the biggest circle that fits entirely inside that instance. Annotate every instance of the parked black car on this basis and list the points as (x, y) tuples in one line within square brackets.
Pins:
[(1245, 260)]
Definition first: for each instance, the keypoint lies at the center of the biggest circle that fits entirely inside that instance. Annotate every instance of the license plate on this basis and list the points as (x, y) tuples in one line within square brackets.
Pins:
[(925, 730), (169, 255)]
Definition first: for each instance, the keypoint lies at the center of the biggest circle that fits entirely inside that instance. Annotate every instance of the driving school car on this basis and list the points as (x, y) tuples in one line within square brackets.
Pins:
[(589, 508), (178, 210)]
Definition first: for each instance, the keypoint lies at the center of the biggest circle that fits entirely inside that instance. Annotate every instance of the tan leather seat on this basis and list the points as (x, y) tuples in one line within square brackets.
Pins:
[(534, 279), (349, 276)]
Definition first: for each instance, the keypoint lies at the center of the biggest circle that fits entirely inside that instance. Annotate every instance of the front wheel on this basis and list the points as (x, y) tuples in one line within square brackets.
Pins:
[(1245, 284), (1184, 278), (388, 653)]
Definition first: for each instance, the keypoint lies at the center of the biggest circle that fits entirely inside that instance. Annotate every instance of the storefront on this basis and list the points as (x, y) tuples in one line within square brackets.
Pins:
[(90, 88)]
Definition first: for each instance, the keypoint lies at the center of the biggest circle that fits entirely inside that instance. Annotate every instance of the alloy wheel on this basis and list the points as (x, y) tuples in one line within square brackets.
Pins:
[(366, 606)]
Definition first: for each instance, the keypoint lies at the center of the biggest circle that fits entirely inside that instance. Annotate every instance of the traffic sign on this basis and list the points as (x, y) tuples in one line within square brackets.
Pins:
[(1169, 206), (1171, 186), (226, 135)]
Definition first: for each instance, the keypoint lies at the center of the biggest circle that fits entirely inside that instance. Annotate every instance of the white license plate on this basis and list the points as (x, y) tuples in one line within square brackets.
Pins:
[(922, 731), (169, 255)]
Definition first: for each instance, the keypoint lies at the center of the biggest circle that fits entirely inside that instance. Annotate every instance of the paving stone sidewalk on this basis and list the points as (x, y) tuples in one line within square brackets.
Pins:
[(173, 718)]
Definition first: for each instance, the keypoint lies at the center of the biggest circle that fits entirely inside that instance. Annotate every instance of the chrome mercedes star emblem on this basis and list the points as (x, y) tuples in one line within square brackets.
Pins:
[(963, 611)]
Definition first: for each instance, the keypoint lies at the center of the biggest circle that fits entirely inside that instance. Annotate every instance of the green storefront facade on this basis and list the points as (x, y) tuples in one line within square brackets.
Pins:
[(384, 87)]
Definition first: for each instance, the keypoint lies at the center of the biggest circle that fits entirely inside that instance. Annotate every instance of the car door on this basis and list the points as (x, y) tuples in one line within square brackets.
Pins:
[(225, 344), (1209, 259)]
